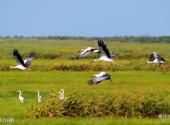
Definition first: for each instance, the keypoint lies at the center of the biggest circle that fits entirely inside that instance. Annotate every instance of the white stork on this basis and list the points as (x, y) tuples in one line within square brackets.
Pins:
[(23, 64), (21, 98), (99, 77), (157, 59), (105, 54), (39, 97), (88, 51), (61, 94)]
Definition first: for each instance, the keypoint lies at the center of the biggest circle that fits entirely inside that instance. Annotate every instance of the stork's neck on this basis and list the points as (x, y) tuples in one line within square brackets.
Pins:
[(95, 60), (19, 67), (149, 62), (12, 67)]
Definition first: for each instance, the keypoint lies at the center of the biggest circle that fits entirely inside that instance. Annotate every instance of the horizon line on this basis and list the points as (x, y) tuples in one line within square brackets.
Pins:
[(67, 36)]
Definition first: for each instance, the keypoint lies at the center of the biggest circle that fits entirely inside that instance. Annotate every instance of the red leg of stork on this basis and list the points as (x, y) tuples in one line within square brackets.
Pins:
[(111, 81), (27, 74), (162, 67)]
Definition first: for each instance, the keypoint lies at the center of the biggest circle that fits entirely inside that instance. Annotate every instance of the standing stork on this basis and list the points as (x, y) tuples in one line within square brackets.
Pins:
[(87, 51), (105, 54), (100, 77), (23, 64), (157, 59), (21, 98)]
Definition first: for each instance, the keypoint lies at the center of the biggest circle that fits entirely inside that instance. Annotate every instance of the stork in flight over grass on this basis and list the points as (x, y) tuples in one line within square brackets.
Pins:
[(88, 51), (23, 64), (105, 54), (157, 59), (100, 77)]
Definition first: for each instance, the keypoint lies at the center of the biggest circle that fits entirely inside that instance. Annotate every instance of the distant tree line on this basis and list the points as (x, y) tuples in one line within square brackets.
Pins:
[(138, 39)]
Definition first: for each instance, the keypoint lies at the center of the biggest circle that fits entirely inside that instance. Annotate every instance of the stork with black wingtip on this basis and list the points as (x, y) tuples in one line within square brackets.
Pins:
[(157, 59), (23, 64), (105, 54), (97, 78)]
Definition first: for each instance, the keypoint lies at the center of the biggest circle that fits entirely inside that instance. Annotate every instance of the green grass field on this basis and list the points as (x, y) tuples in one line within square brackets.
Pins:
[(51, 82), (53, 69)]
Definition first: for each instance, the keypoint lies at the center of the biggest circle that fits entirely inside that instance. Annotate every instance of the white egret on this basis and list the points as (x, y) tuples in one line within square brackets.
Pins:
[(39, 96), (21, 98), (61, 94)]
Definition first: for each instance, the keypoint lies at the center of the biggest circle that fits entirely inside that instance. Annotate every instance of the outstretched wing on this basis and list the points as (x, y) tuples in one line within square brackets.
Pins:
[(160, 58), (103, 49), (29, 59), (99, 77), (86, 52), (94, 80), (18, 57)]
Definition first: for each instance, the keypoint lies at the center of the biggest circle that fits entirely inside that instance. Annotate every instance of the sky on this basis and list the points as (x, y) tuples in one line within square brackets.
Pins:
[(87, 18)]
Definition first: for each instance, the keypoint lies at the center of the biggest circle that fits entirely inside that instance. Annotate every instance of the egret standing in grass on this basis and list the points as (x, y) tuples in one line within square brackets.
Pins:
[(39, 97), (23, 64), (157, 59), (21, 98), (100, 77), (105, 54), (61, 94)]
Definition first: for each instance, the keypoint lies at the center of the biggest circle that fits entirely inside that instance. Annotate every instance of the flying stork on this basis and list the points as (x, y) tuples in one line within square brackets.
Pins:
[(157, 59), (22, 64), (99, 77), (87, 51), (105, 54)]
